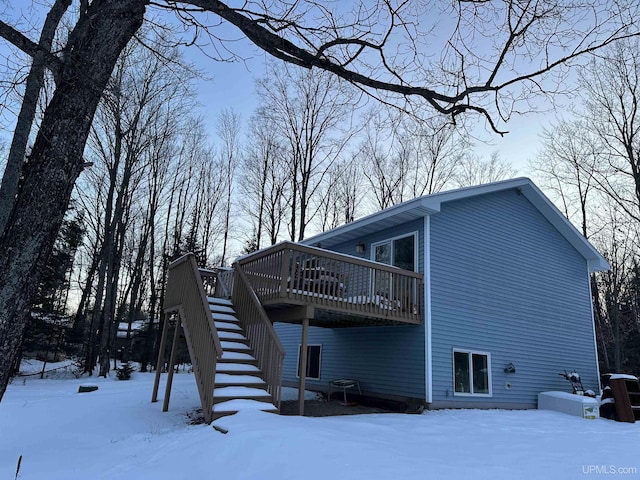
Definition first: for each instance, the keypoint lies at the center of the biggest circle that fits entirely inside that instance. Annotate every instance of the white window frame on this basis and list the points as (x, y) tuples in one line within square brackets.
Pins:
[(416, 267), (416, 237), (470, 354), (319, 361)]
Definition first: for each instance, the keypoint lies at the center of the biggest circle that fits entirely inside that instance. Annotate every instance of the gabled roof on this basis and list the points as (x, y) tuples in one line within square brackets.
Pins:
[(430, 204)]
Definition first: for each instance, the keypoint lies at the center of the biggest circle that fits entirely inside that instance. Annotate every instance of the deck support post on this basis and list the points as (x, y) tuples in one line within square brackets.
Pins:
[(163, 343), (303, 365), (172, 362)]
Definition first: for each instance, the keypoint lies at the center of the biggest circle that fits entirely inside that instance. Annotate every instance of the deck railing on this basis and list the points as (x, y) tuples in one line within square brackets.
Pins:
[(224, 285), (209, 280), (185, 296), (217, 282), (260, 334), (334, 281)]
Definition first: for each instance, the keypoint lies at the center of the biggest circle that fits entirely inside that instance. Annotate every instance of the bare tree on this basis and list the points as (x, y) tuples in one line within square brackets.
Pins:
[(33, 85), (264, 181), (341, 195), (360, 45), (566, 167), (437, 149), (406, 157), (212, 205), (611, 93), (197, 203), (618, 240), (475, 170), (141, 107), (229, 133), (385, 165), (307, 110)]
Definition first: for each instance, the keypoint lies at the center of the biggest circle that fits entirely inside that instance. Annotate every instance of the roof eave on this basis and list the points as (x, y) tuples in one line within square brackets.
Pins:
[(406, 211), (430, 204)]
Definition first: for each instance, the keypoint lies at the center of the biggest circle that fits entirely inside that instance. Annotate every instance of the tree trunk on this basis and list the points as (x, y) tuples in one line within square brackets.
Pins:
[(56, 161), (35, 81)]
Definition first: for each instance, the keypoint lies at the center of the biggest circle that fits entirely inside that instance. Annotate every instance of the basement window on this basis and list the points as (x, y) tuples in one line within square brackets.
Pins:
[(471, 373), (314, 355)]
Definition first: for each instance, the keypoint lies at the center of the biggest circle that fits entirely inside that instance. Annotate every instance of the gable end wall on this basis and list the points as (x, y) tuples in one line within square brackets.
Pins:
[(504, 281)]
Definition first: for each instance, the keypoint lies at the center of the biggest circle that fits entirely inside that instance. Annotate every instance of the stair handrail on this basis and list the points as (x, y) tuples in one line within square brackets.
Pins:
[(259, 332), (185, 296)]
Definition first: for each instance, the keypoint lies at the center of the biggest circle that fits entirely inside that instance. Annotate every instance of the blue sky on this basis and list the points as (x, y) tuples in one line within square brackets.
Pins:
[(231, 85)]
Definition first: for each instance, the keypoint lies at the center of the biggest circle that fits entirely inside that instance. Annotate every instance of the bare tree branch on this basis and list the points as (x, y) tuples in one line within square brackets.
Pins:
[(536, 27), (30, 48)]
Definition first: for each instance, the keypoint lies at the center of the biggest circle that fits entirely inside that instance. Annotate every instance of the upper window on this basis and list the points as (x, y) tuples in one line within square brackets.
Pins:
[(399, 252), (471, 373)]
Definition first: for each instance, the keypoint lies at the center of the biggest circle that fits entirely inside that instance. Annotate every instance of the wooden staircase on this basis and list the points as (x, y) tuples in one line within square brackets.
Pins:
[(238, 379), (235, 369)]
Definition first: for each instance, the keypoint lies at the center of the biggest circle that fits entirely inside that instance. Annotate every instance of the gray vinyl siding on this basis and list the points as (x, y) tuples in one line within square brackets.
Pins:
[(385, 360), (504, 281)]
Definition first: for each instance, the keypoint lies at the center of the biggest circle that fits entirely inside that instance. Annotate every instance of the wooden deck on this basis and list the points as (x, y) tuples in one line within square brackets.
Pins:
[(331, 289)]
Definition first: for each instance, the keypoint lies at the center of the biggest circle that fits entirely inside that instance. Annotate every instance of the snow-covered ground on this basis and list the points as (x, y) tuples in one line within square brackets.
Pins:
[(116, 433)]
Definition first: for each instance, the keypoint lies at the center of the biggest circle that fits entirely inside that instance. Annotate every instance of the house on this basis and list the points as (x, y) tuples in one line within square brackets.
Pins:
[(471, 298)]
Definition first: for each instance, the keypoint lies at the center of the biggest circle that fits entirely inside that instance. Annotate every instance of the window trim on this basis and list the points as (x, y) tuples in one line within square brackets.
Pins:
[(470, 354), (416, 256), (319, 361), (416, 237)]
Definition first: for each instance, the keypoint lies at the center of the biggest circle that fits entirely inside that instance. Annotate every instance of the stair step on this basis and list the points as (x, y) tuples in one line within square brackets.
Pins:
[(257, 398), (239, 356), (234, 346), (243, 361), (220, 301), (230, 335), (221, 309), (238, 350), (231, 331), (248, 385), (236, 368), (225, 394), (229, 327), (234, 406), (229, 380), (240, 377), (225, 317), (240, 392)]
